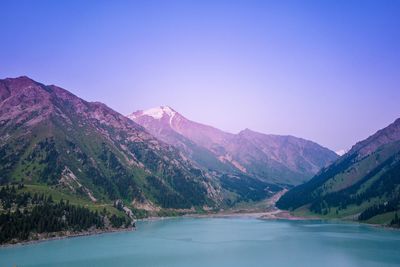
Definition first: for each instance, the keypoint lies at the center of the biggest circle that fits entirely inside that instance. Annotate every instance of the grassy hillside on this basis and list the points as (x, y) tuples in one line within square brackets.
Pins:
[(356, 187)]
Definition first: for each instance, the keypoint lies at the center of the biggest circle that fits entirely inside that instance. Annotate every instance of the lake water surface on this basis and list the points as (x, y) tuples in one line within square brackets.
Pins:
[(226, 242)]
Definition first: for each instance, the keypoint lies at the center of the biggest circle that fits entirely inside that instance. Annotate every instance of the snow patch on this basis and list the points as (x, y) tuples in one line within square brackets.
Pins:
[(159, 112)]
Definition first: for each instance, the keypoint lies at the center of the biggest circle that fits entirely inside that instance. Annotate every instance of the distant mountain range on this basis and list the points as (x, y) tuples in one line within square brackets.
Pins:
[(363, 184), (54, 140), (283, 160)]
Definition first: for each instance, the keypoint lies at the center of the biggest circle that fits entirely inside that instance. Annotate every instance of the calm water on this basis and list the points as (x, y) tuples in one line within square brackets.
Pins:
[(219, 242)]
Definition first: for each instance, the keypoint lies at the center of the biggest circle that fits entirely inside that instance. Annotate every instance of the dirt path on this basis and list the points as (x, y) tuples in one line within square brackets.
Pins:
[(268, 212), (272, 201), (273, 213)]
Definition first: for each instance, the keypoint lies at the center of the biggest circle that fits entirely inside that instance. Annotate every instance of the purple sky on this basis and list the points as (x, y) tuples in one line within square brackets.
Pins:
[(328, 71)]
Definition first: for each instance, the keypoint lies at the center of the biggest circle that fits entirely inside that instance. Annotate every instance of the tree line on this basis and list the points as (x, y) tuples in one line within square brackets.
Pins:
[(23, 215)]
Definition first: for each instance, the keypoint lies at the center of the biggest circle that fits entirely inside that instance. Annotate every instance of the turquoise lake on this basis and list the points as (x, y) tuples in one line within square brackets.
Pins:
[(219, 242)]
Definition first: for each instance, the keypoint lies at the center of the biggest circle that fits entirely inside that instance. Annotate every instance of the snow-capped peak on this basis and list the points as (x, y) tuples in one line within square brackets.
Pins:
[(158, 112)]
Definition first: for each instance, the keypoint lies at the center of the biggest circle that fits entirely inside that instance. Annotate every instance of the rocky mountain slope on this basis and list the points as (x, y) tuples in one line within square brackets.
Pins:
[(363, 184), (52, 138), (272, 158)]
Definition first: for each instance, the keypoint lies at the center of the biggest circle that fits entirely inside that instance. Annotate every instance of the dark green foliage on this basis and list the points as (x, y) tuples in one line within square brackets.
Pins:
[(305, 193), (8, 159), (191, 190), (178, 188), (102, 182), (24, 214), (396, 221), (164, 195), (187, 192), (248, 188), (389, 206), (143, 154), (386, 185), (52, 170), (380, 184), (120, 183), (118, 222)]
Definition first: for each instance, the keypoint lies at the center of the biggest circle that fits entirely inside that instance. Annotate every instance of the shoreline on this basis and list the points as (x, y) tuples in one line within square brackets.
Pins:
[(247, 214), (66, 236), (262, 215), (269, 212), (275, 214)]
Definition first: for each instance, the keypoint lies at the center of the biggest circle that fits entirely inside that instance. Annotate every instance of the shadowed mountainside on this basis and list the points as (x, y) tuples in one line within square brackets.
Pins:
[(363, 184)]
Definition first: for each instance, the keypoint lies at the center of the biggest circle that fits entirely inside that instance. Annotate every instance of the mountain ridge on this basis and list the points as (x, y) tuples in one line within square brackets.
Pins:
[(51, 137), (239, 152), (364, 183), (30, 103)]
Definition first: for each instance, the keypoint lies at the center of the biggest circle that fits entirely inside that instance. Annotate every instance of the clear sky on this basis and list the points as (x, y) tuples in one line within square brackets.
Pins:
[(328, 71)]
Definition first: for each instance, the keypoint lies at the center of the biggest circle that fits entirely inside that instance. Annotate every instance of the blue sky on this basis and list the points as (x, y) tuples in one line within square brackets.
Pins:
[(327, 71)]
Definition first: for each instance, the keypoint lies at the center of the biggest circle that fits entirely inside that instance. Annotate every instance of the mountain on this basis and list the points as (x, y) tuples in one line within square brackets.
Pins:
[(272, 158), (363, 184), (50, 136), (52, 140)]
